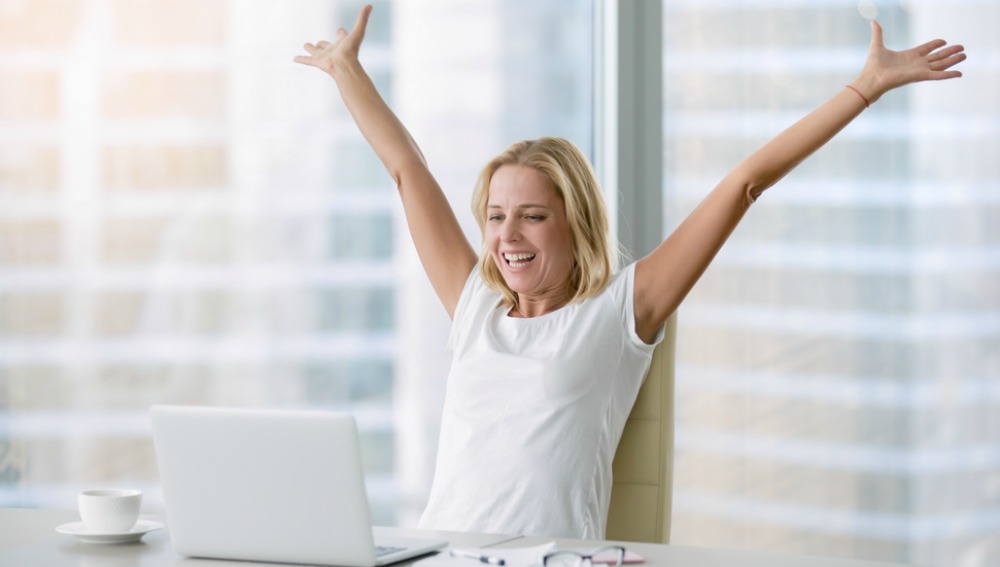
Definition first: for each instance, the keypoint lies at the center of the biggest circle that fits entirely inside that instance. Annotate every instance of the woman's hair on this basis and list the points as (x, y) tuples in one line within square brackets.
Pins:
[(576, 184)]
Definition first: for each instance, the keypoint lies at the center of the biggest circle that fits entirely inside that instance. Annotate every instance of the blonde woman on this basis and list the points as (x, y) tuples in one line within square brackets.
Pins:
[(551, 342)]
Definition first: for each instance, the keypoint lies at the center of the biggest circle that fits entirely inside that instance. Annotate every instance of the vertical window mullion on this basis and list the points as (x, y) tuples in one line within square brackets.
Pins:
[(629, 117)]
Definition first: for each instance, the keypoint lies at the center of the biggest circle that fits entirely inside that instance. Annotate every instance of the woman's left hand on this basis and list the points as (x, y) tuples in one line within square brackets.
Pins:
[(327, 56), (886, 69)]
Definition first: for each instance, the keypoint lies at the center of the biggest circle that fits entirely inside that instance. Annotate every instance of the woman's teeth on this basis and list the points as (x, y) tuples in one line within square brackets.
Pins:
[(518, 260)]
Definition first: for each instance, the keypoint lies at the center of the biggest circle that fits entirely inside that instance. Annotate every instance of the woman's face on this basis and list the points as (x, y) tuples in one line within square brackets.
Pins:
[(527, 233)]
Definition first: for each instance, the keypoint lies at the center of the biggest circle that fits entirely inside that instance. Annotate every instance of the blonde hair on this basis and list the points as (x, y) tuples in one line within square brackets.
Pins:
[(587, 216)]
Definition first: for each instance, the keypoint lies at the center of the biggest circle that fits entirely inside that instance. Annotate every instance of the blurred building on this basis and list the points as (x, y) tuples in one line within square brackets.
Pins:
[(184, 219), (837, 368), (186, 216)]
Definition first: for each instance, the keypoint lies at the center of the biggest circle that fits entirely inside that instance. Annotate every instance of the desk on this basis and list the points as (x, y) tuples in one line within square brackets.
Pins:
[(28, 539), (657, 555)]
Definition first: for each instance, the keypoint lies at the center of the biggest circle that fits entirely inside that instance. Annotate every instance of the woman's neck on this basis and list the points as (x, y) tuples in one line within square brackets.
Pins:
[(528, 307)]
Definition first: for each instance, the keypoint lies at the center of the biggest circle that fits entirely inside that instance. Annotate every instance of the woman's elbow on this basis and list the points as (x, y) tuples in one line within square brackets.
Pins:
[(406, 173), (751, 185), (752, 192)]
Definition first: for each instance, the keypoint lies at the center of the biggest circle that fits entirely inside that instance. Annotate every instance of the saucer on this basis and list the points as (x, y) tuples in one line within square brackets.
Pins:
[(141, 528)]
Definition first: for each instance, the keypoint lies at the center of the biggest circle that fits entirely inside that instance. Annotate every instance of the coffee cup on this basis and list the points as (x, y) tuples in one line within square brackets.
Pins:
[(109, 511)]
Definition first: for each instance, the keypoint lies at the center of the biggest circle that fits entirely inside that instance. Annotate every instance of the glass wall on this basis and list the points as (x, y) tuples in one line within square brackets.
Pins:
[(186, 216), (838, 368)]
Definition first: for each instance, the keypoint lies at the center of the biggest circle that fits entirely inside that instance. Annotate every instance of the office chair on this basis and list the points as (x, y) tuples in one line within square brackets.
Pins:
[(642, 490)]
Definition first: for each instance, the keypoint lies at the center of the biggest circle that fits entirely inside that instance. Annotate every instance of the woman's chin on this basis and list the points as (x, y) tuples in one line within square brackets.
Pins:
[(517, 283)]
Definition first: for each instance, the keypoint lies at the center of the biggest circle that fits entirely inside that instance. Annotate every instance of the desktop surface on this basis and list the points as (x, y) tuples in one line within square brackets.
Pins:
[(28, 539), (654, 554)]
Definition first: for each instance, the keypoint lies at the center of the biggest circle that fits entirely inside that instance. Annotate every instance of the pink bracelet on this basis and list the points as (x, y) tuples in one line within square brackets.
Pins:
[(867, 104)]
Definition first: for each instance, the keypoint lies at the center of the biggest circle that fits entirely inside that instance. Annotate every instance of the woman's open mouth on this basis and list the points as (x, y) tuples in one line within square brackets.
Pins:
[(518, 260)]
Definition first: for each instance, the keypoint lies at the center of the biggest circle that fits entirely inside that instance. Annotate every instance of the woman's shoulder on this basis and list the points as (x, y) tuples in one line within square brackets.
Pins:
[(475, 294), (620, 285), (615, 297)]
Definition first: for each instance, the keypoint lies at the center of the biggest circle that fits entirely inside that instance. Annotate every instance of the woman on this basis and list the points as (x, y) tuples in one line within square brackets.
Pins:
[(550, 344)]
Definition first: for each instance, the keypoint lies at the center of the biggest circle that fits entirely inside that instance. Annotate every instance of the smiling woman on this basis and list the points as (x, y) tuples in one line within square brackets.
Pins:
[(543, 377), (528, 240), (553, 174)]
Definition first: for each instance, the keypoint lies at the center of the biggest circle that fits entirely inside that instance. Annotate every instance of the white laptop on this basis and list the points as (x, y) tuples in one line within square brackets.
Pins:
[(269, 485)]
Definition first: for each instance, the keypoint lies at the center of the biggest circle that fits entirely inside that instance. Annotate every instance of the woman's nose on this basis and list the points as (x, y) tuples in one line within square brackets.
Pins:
[(510, 231)]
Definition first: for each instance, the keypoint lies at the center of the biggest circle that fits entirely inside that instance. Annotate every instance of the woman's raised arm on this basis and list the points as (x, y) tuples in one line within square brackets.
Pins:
[(444, 251), (665, 276)]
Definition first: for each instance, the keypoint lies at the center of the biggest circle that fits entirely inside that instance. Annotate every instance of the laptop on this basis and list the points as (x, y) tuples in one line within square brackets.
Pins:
[(269, 485)]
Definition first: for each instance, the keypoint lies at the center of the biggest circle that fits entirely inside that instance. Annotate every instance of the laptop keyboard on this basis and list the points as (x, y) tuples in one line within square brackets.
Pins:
[(381, 550)]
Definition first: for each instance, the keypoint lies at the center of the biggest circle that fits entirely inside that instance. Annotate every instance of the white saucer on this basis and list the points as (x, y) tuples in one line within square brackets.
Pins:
[(141, 528)]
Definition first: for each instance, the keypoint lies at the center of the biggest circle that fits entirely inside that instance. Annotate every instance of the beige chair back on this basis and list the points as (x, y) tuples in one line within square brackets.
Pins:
[(643, 467)]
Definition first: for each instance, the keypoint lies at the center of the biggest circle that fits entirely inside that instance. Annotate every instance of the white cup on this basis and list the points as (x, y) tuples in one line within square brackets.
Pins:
[(109, 511)]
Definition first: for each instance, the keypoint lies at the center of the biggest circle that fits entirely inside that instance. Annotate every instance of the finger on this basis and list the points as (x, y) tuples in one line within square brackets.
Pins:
[(948, 62), (341, 33), (877, 40), (312, 49), (945, 53), (930, 46), (303, 59), (361, 24), (324, 45), (942, 75)]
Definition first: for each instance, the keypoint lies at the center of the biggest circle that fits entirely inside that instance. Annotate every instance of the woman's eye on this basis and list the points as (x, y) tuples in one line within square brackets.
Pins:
[(534, 218), (494, 218)]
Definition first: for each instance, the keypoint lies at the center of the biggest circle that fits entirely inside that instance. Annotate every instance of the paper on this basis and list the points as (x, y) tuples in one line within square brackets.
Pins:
[(512, 556)]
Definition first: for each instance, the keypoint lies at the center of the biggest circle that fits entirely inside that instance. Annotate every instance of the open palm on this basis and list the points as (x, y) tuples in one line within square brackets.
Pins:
[(930, 61), (325, 55)]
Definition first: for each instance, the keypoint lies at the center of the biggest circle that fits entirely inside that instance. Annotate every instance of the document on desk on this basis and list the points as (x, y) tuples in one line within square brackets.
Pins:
[(488, 556)]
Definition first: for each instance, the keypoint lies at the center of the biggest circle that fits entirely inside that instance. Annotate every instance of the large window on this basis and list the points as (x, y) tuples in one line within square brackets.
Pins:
[(186, 216), (838, 366)]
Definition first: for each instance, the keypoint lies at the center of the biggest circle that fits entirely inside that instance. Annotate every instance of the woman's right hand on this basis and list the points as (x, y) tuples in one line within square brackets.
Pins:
[(886, 69), (327, 56), (446, 254)]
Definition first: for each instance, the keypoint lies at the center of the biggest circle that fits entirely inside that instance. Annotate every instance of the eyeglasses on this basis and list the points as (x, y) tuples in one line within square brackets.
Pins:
[(611, 555)]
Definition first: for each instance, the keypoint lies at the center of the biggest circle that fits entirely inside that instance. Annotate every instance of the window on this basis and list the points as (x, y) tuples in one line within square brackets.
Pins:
[(186, 216), (837, 366)]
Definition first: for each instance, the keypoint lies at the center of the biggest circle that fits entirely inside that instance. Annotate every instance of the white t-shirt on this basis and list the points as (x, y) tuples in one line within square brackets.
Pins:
[(533, 413)]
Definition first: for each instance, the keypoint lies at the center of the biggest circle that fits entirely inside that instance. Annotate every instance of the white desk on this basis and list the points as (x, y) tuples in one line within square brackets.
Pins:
[(656, 555), (28, 539)]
